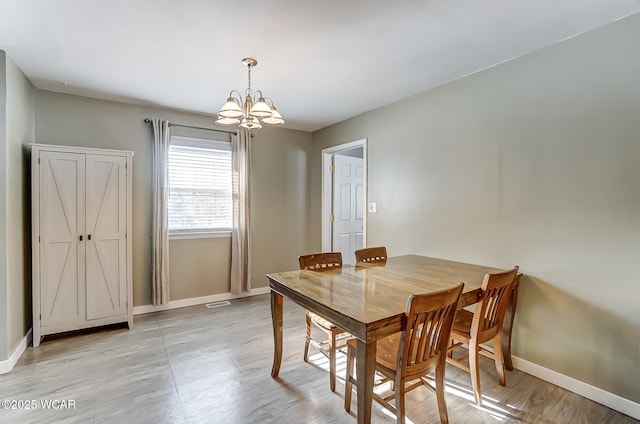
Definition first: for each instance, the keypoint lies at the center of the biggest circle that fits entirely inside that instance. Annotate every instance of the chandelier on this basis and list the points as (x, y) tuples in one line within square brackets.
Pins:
[(256, 109)]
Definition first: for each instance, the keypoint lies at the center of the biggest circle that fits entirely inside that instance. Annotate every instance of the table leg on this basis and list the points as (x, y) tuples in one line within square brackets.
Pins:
[(507, 327), (365, 370), (276, 318)]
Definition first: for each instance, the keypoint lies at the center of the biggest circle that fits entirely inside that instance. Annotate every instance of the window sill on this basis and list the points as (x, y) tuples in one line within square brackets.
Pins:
[(194, 235)]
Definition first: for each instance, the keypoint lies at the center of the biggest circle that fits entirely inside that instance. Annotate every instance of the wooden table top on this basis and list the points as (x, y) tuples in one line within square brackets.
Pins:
[(358, 298)]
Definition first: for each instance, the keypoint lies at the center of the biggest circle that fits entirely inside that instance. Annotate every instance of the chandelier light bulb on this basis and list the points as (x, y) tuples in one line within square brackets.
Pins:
[(251, 124), (231, 109), (227, 121), (261, 108), (274, 119)]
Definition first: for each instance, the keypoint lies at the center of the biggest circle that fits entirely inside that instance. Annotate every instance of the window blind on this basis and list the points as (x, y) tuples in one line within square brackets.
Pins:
[(200, 196)]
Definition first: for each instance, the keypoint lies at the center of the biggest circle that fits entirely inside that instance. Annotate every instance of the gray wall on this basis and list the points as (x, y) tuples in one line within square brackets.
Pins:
[(532, 162), (16, 131), (279, 200), (198, 267)]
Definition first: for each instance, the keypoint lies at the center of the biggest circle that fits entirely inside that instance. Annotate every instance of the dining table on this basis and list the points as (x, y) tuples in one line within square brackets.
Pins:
[(369, 301)]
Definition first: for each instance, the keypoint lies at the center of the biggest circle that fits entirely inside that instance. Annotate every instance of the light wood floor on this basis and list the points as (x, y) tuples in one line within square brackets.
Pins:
[(198, 365)]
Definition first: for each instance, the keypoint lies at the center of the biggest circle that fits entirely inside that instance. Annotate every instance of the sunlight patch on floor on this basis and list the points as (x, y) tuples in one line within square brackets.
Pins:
[(388, 413), (321, 361), (491, 407)]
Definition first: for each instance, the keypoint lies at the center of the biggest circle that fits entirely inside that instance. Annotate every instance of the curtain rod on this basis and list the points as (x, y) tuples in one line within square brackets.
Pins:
[(148, 121)]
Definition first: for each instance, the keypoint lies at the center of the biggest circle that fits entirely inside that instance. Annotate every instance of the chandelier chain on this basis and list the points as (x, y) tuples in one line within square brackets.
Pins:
[(249, 78)]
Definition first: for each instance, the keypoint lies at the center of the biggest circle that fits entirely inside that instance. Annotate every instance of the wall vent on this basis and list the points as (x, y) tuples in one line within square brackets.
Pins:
[(217, 304)]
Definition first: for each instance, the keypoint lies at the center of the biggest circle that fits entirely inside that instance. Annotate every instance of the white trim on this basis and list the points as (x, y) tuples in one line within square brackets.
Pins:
[(85, 150), (7, 366), (182, 303), (325, 202), (581, 388)]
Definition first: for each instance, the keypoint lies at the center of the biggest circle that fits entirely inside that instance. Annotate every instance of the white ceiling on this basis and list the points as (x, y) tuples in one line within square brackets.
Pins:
[(320, 61)]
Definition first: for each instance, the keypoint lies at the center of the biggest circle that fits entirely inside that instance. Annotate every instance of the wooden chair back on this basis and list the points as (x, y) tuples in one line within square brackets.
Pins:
[(425, 338), (321, 261), (489, 314), (336, 336), (372, 255)]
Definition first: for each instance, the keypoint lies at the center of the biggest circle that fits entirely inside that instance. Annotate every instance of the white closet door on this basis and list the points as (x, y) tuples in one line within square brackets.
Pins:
[(348, 206), (106, 208), (62, 191)]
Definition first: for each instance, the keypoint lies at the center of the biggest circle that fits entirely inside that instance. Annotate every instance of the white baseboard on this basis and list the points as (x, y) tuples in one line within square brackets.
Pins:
[(7, 366), (174, 304), (581, 388)]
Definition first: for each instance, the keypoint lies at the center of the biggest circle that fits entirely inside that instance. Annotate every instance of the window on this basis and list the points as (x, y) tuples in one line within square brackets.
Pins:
[(200, 197)]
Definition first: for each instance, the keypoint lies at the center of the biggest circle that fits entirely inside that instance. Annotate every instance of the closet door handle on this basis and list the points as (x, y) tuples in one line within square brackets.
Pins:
[(89, 237), (81, 237)]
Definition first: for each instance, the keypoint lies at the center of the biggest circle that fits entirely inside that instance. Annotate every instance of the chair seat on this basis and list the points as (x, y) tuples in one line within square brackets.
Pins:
[(386, 351), (462, 323), (323, 323)]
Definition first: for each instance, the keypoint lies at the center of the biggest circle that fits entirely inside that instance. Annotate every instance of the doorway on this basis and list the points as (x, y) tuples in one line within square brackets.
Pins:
[(344, 198)]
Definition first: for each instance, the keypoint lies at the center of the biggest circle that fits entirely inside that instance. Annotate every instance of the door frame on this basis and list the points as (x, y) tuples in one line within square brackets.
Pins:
[(327, 190)]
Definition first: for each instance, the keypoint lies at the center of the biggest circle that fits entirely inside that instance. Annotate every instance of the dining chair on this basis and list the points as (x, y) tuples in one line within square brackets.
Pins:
[(336, 336), (372, 255), (419, 349), (482, 325)]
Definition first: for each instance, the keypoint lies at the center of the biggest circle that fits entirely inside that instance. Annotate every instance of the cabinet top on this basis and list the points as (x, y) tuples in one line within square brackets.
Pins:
[(59, 148)]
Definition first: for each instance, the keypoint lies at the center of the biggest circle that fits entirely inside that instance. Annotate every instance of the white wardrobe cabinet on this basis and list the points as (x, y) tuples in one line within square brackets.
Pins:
[(81, 238)]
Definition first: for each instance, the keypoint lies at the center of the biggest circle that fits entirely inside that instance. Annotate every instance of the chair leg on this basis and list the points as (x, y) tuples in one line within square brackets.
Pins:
[(399, 390), (442, 406), (332, 361), (499, 359), (348, 385), (474, 370), (307, 340)]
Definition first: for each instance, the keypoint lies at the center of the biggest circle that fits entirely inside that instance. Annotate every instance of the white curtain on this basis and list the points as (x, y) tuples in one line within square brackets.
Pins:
[(240, 235), (160, 236)]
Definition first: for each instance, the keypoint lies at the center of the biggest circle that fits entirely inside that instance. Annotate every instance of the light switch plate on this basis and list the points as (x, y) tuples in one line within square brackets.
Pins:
[(372, 207)]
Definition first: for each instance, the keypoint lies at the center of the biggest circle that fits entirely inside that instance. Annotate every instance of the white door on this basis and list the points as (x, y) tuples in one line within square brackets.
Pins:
[(348, 206), (106, 273), (61, 197)]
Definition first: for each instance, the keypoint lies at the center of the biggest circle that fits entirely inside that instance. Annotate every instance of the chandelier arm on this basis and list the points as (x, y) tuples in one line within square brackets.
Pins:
[(239, 98)]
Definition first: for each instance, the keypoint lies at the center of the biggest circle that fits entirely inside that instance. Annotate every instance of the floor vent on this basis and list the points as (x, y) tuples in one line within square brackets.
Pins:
[(217, 304)]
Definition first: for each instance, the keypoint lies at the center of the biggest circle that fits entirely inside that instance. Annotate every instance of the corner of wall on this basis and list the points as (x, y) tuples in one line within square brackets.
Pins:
[(4, 353)]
